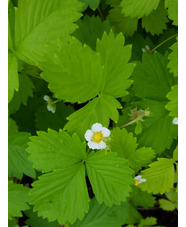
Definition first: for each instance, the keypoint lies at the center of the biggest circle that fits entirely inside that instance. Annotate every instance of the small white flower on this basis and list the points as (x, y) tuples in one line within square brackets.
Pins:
[(51, 106), (175, 121), (139, 180), (96, 135)]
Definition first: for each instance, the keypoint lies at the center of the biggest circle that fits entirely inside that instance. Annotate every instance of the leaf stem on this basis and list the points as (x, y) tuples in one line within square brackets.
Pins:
[(173, 36), (88, 150), (129, 123), (100, 13)]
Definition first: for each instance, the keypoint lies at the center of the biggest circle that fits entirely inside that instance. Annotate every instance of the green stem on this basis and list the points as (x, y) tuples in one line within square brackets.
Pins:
[(88, 150), (173, 36), (129, 123), (100, 13)]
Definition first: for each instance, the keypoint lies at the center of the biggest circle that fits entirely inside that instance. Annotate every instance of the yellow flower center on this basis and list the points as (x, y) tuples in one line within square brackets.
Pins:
[(136, 182), (97, 137)]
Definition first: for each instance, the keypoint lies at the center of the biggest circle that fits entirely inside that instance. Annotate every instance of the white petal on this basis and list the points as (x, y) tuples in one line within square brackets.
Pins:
[(142, 180), (49, 108), (92, 145), (105, 131), (88, 135), (101, 145), (137, 177), (147, 47), (97, 127), (53, 109), (46, 98), (175, 121)]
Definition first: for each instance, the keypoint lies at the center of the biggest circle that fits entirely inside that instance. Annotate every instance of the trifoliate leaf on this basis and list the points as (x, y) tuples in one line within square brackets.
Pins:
[(166, 204), (155, 23), (173, 57), (100, 109), (90, 29), (18, 162), (160, 176), (13, 80), (25, 89), (172, 6), (61, 148), (109, 176), (92, 4), (122, 23), (126, 146), (149, 221), (61, 195), (141, 198), (74, 72), (17, 199), (115, 57), (102, 215), (138, 8), (152, 78), (172, 106), (36, 32), (45, 119)]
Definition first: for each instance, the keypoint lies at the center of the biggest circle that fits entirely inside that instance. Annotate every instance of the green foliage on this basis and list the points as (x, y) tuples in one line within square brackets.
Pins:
[(172, 6), (172, 106), (149, 221), (171, 202), (92, 4), (160, 176), (17, 199), (173, 57)]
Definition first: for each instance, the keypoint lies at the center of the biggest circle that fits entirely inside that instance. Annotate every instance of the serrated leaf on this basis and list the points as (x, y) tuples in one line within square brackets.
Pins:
[(172, 6), (173, 59), (18, 162), (149, 221), (160, 176), (45, 119), (76, 79), (25, 89), (40, 24), (109, 176), (138, 8), (102, 215), (62, 149), (155, 23), (166, 204), (172, 105), (126, 146), (115, 57), (13, 80), (122, 23), (141, 198), (100, 109), (90, 29), (61, 195), (17, 199), (152, 79), (92, 4)]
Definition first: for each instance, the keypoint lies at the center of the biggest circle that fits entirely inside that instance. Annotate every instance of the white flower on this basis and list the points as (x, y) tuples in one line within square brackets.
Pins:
[(146, 49), (51, 106), (175, 121), (96, 135), (139, 180)]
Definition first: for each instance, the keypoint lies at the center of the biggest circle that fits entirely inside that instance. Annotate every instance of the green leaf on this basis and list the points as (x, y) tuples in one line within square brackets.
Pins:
[(17, 199), (122, 23), (141, 198), (173, 59), (102, 215), (126, 146), (35, 221), (90, 29), (18, 162), (155, 23), (172, 195), (13, 80), (25, 90), (115, 57), (45, 119), (149, 221), (172, 6), (109, 176), (11, 25), (160, 176), (138, 8), (62, 149), (76, 79), (166, 204), (61, 195), (152, 79), (138, 128), (100, 109), (172, 105), (12, 126), (92, 4), (175, 154), (40, 24)]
